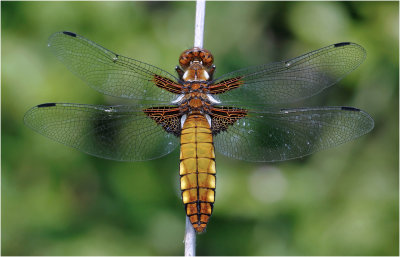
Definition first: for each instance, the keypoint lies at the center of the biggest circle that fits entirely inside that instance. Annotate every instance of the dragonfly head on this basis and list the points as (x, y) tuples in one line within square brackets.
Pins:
[(196, 64), (196, 55)]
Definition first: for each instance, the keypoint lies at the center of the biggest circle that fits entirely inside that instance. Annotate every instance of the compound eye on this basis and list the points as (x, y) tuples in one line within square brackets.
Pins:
[(184, 61), (207, 58), (195, 54)]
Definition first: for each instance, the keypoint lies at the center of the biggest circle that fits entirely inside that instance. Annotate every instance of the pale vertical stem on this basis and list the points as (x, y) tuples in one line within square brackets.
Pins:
[(190, 239), (190, 233), (199, 25)]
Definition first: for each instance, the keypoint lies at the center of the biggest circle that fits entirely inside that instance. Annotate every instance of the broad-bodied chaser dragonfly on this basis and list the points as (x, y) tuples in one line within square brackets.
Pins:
[(238, 114)]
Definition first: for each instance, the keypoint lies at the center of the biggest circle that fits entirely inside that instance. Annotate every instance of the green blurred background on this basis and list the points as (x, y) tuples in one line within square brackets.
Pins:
[(59, 201)]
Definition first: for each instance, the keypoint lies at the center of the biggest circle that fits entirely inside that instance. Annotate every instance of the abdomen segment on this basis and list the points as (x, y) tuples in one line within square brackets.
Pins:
[(197, 170)]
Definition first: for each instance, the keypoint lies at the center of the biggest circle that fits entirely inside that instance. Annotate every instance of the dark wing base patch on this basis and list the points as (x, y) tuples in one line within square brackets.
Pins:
[(168, 117), (223, 117), (226, 85), (167, 84)]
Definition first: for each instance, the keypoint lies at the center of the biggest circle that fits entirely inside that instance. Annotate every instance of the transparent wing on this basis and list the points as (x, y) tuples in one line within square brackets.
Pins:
[(108, 72), (291, 133), (122, 133), (292, 80)]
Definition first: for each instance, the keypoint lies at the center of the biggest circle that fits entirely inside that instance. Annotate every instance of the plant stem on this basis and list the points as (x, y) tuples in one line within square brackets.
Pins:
[(190, 239), (190, 233), (199, 25)]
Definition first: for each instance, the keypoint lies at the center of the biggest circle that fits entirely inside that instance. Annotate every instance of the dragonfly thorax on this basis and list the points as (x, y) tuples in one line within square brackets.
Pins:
[(195, 102)]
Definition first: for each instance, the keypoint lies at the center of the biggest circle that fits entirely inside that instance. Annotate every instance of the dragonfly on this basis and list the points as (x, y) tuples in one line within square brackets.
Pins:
[(240, 114)]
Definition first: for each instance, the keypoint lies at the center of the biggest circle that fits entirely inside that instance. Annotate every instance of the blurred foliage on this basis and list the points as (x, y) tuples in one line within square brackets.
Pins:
[(58, 201)]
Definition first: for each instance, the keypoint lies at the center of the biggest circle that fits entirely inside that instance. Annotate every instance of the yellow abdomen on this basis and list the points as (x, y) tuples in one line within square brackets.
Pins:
[(197, 170)]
